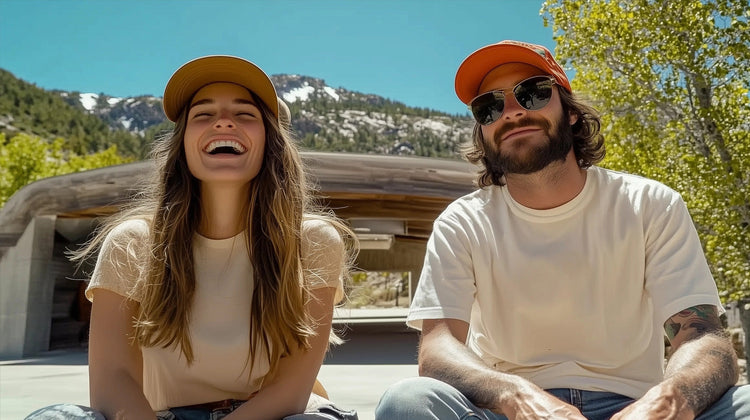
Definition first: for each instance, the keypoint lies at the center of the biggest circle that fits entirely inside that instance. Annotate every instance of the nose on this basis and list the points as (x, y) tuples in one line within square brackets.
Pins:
[(512, 108), (224, 121)]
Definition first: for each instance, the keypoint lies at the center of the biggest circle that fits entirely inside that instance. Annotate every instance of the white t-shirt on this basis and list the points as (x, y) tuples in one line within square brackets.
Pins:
[(571, 297), (220, 317)]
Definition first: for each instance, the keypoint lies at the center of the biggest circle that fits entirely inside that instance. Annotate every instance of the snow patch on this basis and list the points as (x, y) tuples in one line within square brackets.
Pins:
[(126, 122), (331, 91), (300, 93), (113, 101), (88, 100)]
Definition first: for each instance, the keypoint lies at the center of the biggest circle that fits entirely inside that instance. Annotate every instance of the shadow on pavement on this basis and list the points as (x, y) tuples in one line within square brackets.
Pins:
[(364, 344), (375, 344), (62, 357)]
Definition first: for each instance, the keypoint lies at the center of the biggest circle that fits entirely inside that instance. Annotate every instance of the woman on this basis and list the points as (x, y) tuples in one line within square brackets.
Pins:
[(214, 295)]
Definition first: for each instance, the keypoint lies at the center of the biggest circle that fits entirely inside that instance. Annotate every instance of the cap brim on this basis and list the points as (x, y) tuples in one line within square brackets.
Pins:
[(476, 66), (202, 71)]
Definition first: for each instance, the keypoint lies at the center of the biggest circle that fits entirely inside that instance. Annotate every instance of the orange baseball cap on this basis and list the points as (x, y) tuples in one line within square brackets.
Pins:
[(475, 67), (195, 74)]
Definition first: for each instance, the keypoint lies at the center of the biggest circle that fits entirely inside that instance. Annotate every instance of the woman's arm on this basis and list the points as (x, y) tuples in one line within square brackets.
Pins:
[(115, 363), (289, 390)]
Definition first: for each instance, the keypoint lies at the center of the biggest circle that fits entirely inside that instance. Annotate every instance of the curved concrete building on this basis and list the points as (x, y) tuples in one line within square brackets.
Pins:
[(390, 201)]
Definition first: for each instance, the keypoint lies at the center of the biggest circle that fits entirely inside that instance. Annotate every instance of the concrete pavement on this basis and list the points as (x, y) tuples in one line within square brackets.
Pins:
[(355, 374)]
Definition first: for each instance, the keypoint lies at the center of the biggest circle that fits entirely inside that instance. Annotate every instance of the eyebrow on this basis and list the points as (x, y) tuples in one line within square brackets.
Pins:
[(235, 101)]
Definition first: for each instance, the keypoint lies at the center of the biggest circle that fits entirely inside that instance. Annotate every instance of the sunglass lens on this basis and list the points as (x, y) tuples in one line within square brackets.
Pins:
[(533, 94), (487, 108)]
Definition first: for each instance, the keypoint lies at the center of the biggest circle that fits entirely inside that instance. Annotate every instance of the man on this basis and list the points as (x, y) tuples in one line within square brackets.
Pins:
[(546, 293)]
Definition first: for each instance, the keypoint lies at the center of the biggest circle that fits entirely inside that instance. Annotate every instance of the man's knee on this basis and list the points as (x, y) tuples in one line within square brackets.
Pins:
[(402, 396), (421, 398), (740, 401), (734, 405)]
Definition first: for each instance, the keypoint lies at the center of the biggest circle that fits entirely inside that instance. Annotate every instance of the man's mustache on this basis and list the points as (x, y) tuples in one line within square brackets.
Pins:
[(526, 121)]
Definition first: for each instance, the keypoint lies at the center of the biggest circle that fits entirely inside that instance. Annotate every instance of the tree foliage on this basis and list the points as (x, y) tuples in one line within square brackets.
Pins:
[(25, 159), (25, 108), (671, 79)]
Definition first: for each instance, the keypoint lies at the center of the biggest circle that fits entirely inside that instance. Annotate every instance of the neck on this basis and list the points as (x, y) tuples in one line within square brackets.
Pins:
[(222, 210), (551, 187)]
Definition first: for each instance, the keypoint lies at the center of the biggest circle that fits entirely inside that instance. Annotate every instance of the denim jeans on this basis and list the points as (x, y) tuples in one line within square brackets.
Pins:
[(429, 399), (77, 412)]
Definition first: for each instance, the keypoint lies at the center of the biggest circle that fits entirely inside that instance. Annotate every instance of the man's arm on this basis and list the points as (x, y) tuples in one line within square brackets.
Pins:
[(444, 356), (702, 367), (703, 363)]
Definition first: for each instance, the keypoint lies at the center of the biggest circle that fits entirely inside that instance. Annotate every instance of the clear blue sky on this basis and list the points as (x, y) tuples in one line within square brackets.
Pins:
[(405, 50)]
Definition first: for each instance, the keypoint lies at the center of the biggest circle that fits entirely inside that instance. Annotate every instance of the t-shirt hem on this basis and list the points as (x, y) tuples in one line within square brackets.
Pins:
[(687, 302), (416, 316), (629, 388), (91, 288)]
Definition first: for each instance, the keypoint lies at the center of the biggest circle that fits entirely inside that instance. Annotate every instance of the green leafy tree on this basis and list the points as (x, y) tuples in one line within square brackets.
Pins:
[(671, 80), (25, 159), (26, 108)]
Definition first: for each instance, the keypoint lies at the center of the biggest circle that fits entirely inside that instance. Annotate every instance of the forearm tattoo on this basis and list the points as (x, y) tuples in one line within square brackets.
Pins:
[(692, 322), (711, 362)]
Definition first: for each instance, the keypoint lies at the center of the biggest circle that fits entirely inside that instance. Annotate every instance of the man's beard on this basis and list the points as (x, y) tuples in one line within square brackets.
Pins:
[(538, 157)]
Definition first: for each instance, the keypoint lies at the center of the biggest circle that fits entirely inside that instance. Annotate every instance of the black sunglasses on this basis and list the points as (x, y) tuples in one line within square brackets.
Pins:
[(533, 94)]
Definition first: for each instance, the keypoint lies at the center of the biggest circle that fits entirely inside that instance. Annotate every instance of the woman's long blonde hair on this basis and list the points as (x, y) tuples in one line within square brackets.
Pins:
[(279, 198)]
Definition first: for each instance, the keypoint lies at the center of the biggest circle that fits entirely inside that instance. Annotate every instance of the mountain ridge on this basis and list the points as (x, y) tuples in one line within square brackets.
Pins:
[(323, 118)]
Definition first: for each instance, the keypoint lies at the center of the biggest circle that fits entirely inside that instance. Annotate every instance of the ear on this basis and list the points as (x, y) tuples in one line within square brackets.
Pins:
[(572, 118)]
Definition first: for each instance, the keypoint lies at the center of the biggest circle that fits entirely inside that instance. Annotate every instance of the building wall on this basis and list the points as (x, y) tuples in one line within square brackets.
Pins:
[(26, 291)]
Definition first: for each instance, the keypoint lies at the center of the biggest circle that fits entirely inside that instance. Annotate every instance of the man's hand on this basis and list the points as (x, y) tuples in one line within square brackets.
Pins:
[(533, 403), (444, 356), (702, 367), (662, 402)]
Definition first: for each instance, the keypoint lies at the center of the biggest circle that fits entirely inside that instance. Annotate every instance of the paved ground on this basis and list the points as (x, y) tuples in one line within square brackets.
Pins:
[(377, 353), (355, 374)]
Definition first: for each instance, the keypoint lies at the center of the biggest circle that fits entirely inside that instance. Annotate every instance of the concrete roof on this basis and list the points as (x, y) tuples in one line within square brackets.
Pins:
[(413, 183)]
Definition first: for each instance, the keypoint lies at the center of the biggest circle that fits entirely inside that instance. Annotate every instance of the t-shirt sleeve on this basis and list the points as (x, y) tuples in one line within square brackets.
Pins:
[(121, 259), (323, 256), (446, 286), (677, 274)]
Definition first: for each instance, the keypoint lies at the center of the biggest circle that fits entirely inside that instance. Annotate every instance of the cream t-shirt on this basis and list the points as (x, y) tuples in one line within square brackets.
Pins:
[(220, 318), (571, 297)]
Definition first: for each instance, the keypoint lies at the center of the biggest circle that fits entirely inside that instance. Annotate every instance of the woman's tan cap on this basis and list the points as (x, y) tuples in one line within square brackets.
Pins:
[(202, 71)]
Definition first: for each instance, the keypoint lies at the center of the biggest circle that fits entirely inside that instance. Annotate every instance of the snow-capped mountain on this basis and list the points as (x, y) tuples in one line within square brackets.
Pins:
[(132, 114), (323, 118)]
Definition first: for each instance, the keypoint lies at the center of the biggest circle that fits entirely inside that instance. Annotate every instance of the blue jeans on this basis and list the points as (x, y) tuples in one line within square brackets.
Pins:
[(77, 412), (429, 399)]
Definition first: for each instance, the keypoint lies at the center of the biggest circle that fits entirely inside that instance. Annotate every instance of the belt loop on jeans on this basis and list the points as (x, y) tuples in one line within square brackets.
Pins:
[(576, 398)]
